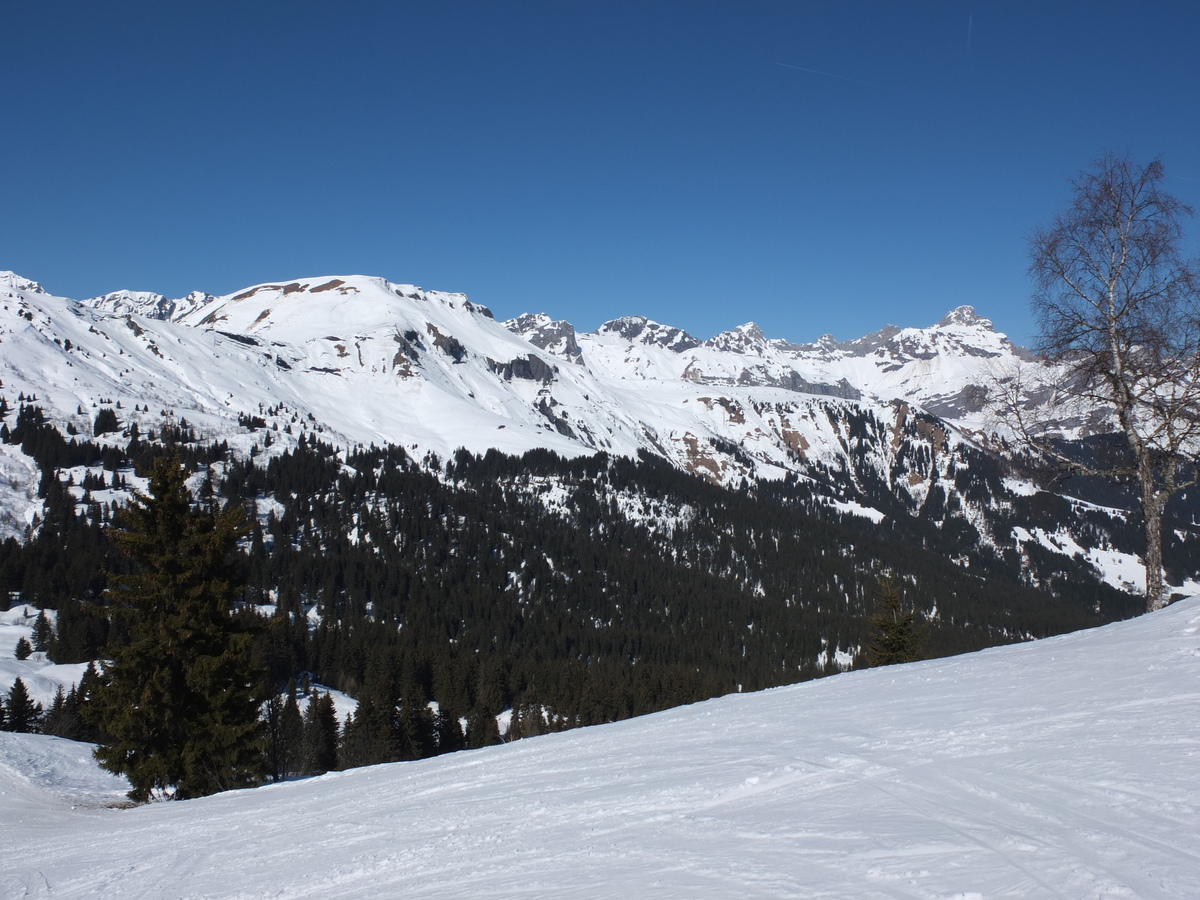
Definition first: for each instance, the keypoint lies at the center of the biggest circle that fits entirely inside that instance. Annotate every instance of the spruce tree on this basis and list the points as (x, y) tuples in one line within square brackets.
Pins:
[(292, 733), (285, 734), (320, 735), (62, 718), (23, 649), (43, 633), (482, 730), (179, 698), (21, 713), (896, 638), (372, 734)]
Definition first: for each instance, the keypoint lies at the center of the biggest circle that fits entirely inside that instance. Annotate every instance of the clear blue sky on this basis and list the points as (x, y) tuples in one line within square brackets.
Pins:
[(811, 166)]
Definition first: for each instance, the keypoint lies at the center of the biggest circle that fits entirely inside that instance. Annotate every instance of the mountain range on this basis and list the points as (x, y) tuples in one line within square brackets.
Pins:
[(374, 361), (873, 422), (569, 527)]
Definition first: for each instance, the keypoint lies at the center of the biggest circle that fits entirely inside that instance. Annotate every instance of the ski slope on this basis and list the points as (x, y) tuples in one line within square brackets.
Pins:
[(1062, 768)]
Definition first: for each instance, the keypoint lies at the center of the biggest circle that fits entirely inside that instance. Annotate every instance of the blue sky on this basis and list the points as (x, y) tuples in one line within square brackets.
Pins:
[(814, 167)]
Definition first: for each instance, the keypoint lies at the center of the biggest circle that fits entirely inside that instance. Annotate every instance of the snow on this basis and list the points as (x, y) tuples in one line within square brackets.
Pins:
[(41, 775), (378, 362), (1124, 571), (1060, 768), (19, 502), (41, 678), (857, 509)]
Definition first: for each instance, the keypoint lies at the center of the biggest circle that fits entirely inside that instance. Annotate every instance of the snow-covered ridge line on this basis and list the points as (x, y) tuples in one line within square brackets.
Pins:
[(377, 361), (359, 360)]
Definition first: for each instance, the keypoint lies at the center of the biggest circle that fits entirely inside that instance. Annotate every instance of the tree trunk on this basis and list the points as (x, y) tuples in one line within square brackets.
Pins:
[(1152, 506)]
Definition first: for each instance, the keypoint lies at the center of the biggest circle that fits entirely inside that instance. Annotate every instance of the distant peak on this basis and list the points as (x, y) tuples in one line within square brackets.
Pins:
[(630, 326), (528, 321), (18, 283), (964, 315), (751, 330), (557, 337), (147, 304), (647, 331)]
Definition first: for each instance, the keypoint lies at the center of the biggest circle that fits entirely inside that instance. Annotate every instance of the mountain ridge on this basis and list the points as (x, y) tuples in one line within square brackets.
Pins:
[(299, 325), (889, 425)]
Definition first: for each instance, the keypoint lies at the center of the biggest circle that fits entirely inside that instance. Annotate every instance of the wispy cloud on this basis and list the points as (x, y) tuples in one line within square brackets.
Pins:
[(828, 75)]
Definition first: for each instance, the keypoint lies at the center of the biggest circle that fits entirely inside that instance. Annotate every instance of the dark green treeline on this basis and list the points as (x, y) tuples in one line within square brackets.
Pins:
[(597, 588)]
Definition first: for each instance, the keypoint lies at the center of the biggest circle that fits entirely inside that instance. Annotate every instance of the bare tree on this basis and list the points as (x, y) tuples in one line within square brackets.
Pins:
[(1118, 309)]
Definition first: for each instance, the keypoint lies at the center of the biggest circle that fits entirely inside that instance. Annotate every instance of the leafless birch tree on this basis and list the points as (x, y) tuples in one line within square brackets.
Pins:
[(1118, 309)]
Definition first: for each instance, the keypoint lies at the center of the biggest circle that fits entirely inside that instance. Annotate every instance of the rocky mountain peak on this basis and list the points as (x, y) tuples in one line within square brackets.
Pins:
[(553, 336), (13, 281), (148, 304), (965, 316), (747, 338), (639, 329)]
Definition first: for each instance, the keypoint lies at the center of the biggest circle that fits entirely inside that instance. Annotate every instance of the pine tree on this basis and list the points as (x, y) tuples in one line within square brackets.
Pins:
[(62, 718), (179, 699), (372, 734), (292, 732), (482, 730), (23, 649), (285, 734), (896, 638), (43, 633), (21, 713), (414, 727), (320, 736)]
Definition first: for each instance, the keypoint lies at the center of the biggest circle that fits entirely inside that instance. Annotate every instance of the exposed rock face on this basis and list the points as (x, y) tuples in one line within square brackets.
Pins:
[(372, 361), (557, 337)]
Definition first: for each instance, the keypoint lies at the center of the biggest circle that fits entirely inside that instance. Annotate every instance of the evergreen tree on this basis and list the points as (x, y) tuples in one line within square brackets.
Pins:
[(415, 730), (106, 421), (179, 698), (62, 718), (320, 736), (292, 732), (447, 733), (482, 730), (285, 734), (372, 734), (23, 649), (43, 633), (896, 638), (77, 702), (21, 713)]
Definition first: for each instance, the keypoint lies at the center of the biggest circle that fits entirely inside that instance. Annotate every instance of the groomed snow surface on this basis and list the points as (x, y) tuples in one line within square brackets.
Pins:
[(1066, 768)]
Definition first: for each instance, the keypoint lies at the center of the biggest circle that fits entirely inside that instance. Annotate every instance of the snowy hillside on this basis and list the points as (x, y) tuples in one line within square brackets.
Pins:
[(1061, 768), (881, 427), (369, 361)]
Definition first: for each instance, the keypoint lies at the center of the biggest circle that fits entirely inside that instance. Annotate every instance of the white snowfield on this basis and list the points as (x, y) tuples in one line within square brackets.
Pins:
[(362, 360), (1065, 768)]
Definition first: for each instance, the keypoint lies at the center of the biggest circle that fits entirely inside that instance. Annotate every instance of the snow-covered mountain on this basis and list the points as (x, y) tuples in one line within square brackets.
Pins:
[(370, 361), (1060, 768), (889, 424)]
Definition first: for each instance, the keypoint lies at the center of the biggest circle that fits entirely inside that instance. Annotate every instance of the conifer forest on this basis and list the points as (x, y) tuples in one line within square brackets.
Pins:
[(440, 593)]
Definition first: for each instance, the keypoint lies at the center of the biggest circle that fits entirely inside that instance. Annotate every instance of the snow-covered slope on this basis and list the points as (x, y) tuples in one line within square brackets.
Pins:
[(362, 359), (885, 425), (1062, 768), (369, 361), (41, 677)]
